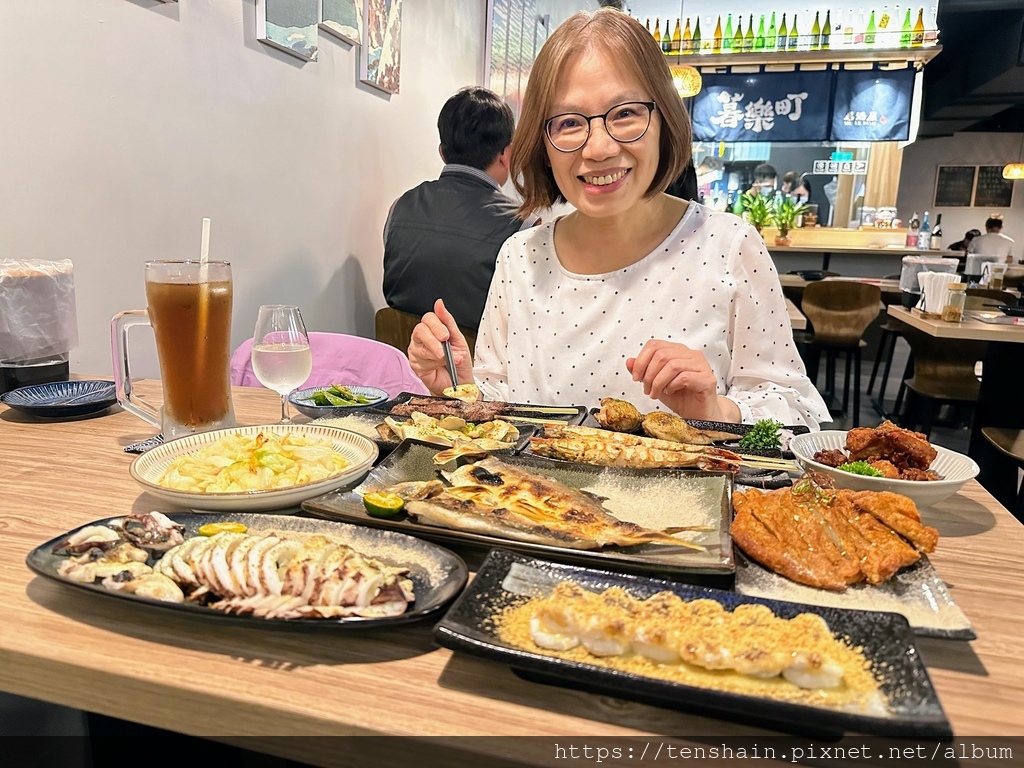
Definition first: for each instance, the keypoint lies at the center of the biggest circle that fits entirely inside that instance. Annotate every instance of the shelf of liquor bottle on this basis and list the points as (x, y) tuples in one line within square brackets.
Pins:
[(709, 61)]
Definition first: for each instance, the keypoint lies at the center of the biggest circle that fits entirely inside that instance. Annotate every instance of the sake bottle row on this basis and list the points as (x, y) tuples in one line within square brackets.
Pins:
[(789, 33)]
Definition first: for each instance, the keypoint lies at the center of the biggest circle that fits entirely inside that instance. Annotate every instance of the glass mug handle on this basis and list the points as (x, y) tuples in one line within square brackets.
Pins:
[(119, 327)]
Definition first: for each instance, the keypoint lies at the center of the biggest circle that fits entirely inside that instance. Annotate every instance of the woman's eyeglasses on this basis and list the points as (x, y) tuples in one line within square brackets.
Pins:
[(624, 122)]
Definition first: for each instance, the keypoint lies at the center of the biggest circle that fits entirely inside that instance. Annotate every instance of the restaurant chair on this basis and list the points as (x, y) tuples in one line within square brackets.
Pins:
[(983, 298), (339, 358), (1010, 442), (394, 327), (839, 313), (943, 373)]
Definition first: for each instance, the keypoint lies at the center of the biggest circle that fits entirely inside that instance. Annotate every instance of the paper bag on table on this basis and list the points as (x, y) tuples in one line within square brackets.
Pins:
[(37, 309)]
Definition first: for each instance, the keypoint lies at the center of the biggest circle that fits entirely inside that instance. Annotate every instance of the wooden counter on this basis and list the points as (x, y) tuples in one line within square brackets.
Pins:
[(211, 678)]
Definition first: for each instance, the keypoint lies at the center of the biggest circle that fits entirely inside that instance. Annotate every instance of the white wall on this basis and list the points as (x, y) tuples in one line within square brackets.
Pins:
[(917, 182), (124, 122)]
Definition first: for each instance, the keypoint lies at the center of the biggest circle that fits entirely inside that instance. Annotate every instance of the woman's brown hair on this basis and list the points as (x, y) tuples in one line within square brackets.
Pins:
[(635, 50)]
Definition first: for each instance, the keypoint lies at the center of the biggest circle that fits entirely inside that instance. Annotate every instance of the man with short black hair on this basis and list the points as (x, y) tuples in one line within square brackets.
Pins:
[(441, 238), (993, 246)]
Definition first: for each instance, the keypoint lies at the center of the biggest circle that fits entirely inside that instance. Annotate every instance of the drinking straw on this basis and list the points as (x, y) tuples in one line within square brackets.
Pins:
[(203, 315)]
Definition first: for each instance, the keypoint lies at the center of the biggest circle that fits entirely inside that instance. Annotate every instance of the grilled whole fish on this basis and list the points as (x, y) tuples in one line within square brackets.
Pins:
[(616, 449), (494, 498)]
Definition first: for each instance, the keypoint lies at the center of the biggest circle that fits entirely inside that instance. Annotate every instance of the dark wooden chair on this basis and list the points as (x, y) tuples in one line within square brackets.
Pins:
[(394, 327), (839, 313), (1009, 442), (978, 298), (943, 373)]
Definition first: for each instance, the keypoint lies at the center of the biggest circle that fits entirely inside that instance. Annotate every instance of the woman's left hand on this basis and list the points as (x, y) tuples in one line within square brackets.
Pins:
[(682, 379)]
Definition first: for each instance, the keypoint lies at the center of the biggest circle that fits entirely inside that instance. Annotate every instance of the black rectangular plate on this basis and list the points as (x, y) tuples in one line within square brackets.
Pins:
[(721, 426), (885, 638), (571, 418), (413, 460), (438, 575)]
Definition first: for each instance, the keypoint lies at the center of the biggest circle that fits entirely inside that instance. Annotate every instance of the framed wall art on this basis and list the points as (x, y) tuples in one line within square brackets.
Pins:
[(343, 19), (380, 57), (289, 25)]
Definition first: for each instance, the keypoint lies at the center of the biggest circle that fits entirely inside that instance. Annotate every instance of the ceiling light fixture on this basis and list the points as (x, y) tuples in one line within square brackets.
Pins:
[(1015, 171)]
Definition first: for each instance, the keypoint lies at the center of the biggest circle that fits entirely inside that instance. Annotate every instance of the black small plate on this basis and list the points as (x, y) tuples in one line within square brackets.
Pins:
[(885, 639), (1013, 311), (438, 575), (62, 399), (522, 410)]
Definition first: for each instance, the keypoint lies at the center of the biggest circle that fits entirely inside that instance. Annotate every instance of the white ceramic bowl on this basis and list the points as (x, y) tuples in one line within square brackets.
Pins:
[(955, 469), (360, 453)]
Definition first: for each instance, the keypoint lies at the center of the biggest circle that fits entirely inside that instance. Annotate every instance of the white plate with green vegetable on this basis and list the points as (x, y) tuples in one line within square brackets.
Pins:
[(954, 468), (335, 399)]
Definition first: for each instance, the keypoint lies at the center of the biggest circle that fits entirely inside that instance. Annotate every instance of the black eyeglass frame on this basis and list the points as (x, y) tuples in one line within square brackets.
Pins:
[(651, 108)]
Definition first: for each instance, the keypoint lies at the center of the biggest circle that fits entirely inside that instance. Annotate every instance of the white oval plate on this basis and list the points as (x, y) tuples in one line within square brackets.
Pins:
[(360, 453), (955, 469)]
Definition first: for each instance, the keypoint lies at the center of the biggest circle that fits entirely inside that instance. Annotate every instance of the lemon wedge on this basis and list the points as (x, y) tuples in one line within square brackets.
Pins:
[(384, 505), (212, 529)]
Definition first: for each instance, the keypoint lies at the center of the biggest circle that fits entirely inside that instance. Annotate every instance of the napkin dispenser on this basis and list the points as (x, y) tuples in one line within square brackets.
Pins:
[(912, 267), (38, 321)]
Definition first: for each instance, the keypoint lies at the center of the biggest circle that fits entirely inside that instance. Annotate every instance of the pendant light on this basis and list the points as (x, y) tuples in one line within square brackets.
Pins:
[(1015, 171), (688, 81)]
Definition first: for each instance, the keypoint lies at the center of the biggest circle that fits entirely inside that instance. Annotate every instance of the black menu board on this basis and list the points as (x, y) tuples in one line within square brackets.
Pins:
[(954, 186), (993, 191)]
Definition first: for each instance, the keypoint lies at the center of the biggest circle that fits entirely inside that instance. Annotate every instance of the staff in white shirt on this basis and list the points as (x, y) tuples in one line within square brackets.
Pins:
[(993, 246)]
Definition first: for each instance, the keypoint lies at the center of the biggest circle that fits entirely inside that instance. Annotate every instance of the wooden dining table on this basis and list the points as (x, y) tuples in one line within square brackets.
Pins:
[(214, 678), (999, 401)]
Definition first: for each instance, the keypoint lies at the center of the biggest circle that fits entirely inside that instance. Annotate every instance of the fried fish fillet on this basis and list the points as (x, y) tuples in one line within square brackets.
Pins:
[(494, 498), (830, 543), (899, 513), (668, 426)]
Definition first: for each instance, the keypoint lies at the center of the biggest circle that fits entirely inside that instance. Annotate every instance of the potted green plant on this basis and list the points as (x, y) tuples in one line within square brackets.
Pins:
[(757, 210), (784, 216)]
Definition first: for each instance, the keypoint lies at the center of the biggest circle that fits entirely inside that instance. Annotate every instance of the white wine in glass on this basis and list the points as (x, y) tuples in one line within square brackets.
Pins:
[(281, 358)]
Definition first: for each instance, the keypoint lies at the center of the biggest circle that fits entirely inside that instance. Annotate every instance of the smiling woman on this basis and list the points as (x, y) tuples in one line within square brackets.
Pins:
[(635, 291)]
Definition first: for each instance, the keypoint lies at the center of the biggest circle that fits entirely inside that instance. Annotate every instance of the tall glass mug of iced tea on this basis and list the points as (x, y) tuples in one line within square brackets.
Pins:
[(190, 313)]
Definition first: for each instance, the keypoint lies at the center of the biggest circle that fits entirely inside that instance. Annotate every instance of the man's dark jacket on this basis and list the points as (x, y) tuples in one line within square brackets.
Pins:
[(441, 240)]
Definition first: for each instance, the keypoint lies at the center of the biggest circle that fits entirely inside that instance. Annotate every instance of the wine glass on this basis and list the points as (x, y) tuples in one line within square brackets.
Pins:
[(281, 358)]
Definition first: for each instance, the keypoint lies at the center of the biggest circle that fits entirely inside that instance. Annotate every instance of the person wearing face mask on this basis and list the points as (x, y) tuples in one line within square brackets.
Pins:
[(796, 186), (635, 292), (765, 178)]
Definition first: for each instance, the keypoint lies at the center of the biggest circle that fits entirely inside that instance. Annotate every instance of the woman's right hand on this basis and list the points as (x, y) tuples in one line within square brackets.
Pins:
[(426, 354)]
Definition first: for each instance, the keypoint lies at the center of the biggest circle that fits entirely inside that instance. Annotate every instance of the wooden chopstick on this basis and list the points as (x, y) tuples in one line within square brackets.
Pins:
[(543, 409), (506, 417), (767, 463)]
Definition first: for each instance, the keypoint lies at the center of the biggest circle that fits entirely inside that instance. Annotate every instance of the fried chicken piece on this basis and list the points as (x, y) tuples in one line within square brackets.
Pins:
[(831, 458), (899, 513), (668, 426), (919, 474), (887, 441), (887, 468), (618, 415)]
